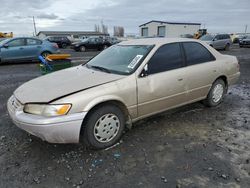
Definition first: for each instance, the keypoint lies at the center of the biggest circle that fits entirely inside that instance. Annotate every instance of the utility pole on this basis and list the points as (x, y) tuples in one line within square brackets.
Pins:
[(246, 28), (34, 23)]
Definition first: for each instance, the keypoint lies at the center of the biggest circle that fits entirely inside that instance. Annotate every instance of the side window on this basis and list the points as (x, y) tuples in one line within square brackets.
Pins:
[(196, 53), (31, 42), (167, 57), (217, 37), (16, 43)]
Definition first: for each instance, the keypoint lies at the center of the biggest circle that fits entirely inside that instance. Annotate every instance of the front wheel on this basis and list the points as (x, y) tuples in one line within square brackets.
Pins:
[(227, 47), (216, 93), (103, 127)]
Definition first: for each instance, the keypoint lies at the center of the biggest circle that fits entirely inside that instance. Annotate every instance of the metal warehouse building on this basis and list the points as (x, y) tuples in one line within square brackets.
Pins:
[(167, 29)]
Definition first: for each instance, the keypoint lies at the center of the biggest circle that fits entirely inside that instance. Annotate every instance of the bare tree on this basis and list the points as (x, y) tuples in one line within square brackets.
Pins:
[(97, 28), (101, 28), (118, 31)]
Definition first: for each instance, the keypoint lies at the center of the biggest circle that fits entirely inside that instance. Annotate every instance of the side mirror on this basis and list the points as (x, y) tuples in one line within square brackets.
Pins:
[(215, 39), (6, 46), (144, 72)]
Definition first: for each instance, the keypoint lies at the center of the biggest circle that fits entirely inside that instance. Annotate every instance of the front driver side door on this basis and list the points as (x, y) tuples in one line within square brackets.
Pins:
[(14, 51), (164, 85)]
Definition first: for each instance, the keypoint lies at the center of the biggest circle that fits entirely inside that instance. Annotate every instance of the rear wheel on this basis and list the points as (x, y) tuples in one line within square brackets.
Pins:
[(64, 45), (105, 47), (82, 48), (216, 93), (45, 54), (103, 127)]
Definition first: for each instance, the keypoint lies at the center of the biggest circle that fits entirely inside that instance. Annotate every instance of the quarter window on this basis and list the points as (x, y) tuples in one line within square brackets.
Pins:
[(167, 57), (196, 53)]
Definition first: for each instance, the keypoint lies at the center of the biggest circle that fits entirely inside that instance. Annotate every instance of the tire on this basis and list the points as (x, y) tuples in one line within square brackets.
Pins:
[(64, 45), (216, 93), (45, 54), (99, 135), (105, 47), (82, 49), (227, 47)]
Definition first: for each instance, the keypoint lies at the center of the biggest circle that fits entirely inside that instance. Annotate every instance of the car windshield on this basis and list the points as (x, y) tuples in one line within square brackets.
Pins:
[(207, 37), (248, 37), (120, 59)]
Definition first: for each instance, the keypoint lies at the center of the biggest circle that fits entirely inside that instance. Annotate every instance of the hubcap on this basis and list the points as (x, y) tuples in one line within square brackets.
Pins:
[(106, 128), (218, 93)]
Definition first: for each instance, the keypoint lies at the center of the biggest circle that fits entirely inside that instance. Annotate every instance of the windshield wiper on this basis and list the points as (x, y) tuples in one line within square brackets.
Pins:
[(100, 68)]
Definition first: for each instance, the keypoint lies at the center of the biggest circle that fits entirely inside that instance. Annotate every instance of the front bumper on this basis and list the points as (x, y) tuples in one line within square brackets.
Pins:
[(62, 129)]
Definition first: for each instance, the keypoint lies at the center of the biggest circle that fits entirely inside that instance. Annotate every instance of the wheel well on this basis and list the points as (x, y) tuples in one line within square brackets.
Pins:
[(224, 78), (45, 52), (116, 103)]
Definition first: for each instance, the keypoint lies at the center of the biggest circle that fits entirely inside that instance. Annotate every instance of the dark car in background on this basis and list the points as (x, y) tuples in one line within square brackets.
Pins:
[(91, 43), (114, 40), (25, 49), (245, 42), (61, 41)]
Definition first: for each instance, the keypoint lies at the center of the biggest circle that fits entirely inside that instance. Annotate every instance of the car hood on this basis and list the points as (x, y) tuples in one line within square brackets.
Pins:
[(61, 83)]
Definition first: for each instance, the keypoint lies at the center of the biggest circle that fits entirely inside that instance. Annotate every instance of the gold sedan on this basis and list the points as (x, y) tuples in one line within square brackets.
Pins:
[(124, 83)]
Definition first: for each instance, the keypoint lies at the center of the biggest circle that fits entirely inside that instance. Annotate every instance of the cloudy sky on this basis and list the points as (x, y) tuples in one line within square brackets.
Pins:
[(78, 15)]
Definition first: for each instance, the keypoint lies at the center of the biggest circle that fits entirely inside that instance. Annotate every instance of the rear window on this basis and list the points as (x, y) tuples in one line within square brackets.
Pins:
[(196, 53)]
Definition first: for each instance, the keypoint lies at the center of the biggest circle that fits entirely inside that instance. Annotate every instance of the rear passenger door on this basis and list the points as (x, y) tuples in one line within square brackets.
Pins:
[(201, 70), (164, 84), (33, 48)]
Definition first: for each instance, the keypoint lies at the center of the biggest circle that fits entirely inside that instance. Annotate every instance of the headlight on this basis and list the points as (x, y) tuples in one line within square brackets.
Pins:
[(47, 109)]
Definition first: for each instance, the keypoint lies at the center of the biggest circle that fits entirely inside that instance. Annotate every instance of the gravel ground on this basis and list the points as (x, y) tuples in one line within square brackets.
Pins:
[(192, 146)]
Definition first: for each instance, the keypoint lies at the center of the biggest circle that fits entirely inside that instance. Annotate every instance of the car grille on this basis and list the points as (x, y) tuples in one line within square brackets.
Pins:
[(14, 103)]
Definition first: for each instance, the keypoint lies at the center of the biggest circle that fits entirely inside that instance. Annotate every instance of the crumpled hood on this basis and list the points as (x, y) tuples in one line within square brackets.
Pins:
[(52, 86)]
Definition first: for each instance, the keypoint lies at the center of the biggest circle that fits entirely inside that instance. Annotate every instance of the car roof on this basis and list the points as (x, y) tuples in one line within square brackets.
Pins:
[(156, 41)]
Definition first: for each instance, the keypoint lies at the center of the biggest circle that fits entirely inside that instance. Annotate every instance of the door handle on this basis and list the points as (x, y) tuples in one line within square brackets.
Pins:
[(180, 79), (21, 48)]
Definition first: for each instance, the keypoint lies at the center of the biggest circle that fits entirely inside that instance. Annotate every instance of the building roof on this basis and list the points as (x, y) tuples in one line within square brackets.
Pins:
[(178, 23), (71, 33)]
